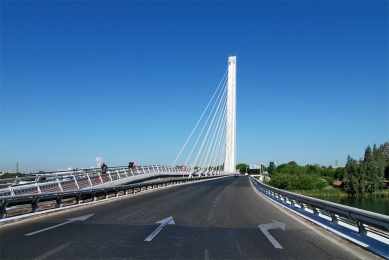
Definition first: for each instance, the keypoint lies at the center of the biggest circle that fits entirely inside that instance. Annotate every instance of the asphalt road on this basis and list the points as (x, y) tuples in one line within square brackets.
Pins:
[(216, 219)]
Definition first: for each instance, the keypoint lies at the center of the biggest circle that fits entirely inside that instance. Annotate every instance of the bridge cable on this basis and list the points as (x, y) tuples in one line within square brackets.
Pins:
[(211, 129), (200, 119), (205, 138), (220, 126)]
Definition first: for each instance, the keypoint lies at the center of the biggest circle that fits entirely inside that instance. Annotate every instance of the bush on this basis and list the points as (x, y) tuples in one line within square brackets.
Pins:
[(321, 183)]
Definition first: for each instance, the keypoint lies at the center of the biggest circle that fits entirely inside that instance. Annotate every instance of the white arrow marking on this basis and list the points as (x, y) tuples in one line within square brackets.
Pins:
[(265, 227), (82, 218), (163, 223)]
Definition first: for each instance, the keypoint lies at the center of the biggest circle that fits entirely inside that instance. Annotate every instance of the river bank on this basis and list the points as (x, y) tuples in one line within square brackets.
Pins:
[(377, 203), (338, 192)]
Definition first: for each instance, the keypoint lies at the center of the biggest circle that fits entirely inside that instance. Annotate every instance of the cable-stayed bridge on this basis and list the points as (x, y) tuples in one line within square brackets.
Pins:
[(213, 152), (218, 216)]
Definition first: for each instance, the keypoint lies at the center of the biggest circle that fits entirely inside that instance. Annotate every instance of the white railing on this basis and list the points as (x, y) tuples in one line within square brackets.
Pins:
[(80, 179), (85, 179)]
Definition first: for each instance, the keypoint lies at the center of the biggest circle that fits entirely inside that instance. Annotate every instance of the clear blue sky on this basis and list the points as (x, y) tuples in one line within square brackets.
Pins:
[(126, 80)]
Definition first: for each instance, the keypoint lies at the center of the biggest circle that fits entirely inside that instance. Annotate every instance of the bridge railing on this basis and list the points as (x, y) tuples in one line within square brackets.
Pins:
[(77, 179), (357, 224), (88, 178)]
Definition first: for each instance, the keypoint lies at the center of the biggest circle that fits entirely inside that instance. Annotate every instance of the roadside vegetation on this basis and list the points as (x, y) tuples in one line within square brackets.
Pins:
[(367, 176), (9, 175)]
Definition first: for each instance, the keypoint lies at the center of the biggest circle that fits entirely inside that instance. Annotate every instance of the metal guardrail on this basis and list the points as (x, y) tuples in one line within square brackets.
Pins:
[(32, 203), (368, 229)]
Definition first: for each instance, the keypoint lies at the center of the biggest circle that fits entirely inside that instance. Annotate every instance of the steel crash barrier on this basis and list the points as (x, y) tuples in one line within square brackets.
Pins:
[(367, 229), (23, 205)]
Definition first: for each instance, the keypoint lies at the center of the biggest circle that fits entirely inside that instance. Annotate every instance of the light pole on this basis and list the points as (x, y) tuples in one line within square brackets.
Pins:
[(246, 169), (260, 168)]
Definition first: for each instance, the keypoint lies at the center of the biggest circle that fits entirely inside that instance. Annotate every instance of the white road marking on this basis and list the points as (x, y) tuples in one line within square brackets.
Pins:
[(163, 222), (130, 214), (185, 238), (238, 248), (265, 227), (55, 250), (82, 218)]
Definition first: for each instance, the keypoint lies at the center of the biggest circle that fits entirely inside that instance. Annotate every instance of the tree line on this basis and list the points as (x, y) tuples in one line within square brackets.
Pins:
[(365, 176), (291, 176), (9, 175)]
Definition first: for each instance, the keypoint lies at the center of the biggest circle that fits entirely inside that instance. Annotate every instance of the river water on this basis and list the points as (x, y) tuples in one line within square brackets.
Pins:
[(378, 205)]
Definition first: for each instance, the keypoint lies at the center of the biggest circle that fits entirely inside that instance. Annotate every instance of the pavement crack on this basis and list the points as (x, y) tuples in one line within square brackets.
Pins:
[(141, 253)]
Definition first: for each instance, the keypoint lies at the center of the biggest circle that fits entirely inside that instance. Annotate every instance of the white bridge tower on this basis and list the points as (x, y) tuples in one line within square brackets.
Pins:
[(230, 161)]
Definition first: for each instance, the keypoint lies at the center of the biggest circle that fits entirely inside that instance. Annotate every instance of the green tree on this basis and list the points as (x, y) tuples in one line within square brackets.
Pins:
[(272, 168), (305, 182), (339, 173), (369, 168), (350, 175), (312, 169), (371, 171), (368, 174), (283, 181), (384, 156), (328, 172), (241, 167), (291, 168), (379, 165), (362, 177)]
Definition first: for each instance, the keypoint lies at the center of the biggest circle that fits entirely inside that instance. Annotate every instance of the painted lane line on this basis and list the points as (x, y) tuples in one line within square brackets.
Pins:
[(238, 248), (163, 223), (55, 250), (265, 227), (185, 238), (206, 255), (82, 218), (131, 214)]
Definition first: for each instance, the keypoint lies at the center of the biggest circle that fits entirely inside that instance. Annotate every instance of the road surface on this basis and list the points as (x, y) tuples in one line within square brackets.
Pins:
[(222, 218)]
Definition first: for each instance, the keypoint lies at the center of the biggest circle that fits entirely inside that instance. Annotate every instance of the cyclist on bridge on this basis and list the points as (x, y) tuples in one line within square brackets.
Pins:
[(131, 165)]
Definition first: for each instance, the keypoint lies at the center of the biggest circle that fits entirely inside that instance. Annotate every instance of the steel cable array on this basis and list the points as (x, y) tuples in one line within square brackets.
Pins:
[(210, 154)]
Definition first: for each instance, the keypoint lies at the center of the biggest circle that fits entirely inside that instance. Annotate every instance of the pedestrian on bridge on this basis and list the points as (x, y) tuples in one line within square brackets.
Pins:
[(104, 168)]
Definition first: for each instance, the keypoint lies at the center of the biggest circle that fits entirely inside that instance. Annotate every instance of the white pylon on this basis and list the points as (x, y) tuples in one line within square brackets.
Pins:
[(230, 161)]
